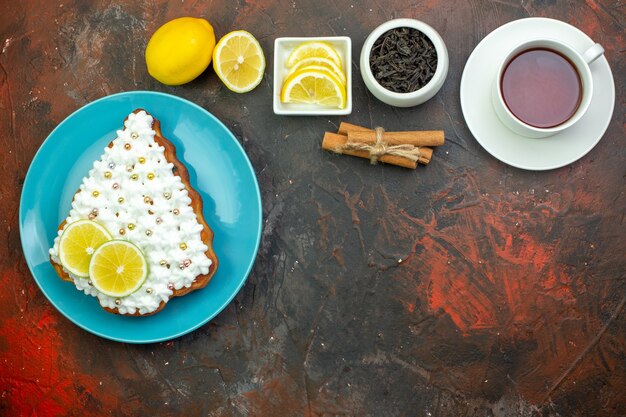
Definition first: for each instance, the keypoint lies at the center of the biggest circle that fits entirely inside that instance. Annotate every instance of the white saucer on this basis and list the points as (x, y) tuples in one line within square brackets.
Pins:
[(519, 151)]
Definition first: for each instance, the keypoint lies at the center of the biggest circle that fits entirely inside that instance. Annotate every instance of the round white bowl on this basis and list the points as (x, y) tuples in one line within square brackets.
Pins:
[(418, 96)]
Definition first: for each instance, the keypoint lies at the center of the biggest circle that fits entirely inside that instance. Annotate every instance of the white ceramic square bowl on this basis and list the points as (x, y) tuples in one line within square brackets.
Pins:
[(282, 49)]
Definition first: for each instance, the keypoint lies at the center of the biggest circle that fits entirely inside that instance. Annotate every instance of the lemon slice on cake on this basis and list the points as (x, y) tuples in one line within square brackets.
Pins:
[(118, 268), (314, 86), (78, 242), (239, 61)]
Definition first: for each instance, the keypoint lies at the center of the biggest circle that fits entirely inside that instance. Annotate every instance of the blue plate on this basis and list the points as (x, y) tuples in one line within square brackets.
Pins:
[(219, 170)]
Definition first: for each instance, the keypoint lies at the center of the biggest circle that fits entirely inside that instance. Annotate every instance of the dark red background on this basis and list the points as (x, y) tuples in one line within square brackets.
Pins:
[(509, 300)]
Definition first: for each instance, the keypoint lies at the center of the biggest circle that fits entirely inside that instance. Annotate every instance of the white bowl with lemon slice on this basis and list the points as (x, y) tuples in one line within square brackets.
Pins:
[(313, 76)]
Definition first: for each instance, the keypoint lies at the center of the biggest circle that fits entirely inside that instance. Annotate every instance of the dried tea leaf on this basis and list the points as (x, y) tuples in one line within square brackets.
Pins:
[(403, 60)]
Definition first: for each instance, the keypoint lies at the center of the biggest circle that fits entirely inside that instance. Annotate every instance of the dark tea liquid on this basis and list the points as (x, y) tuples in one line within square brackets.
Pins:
[(541, 88)]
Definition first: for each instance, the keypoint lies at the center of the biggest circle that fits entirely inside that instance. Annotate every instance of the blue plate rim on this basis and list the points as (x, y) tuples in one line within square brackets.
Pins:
[(28, 179)]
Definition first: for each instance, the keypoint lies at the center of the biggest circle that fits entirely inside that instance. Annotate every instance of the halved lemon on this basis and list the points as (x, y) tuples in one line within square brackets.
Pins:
[(118, 268), (239, 61), (314, 86), (314, 49), (315, 62), (78, 242)]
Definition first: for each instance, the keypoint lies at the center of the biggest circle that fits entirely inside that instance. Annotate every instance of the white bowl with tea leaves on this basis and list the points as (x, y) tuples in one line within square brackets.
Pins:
[(404, 62)]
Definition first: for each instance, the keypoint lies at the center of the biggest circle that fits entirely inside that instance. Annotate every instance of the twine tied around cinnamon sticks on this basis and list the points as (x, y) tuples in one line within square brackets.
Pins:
[(380, 147), (405, 149)]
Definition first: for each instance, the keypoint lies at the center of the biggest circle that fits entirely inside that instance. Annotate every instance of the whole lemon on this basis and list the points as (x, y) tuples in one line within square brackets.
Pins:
[(180, 50)]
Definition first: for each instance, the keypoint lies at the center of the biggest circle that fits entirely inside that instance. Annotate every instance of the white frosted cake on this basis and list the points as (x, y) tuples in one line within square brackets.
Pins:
[(140, 192)]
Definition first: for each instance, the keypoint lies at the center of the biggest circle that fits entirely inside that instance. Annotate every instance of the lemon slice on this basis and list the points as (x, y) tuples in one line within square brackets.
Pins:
[(314, 86), (118, 268), (319, 68), (79, 241), (239, 61), (314, 63), (314, 49)]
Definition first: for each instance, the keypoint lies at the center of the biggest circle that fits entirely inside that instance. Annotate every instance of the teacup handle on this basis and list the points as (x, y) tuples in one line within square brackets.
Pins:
[(593, 53)]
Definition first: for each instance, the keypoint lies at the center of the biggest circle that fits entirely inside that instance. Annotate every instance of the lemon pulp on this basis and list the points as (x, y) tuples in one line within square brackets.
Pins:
[(313, 49), (238, 61), (316, 62), (118, 268), (78, 242), (314, 86)]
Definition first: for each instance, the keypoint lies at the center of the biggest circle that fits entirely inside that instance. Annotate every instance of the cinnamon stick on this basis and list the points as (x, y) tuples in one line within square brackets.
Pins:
[(348, 129), (426, 154), (345, 128), (416, 138), (334, 142)]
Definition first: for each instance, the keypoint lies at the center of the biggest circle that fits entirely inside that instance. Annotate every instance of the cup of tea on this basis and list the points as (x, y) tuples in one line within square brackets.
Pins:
[(544, 86)]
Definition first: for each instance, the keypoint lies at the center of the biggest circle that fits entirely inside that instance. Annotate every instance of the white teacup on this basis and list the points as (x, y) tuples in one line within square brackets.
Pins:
[(580, 61)]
